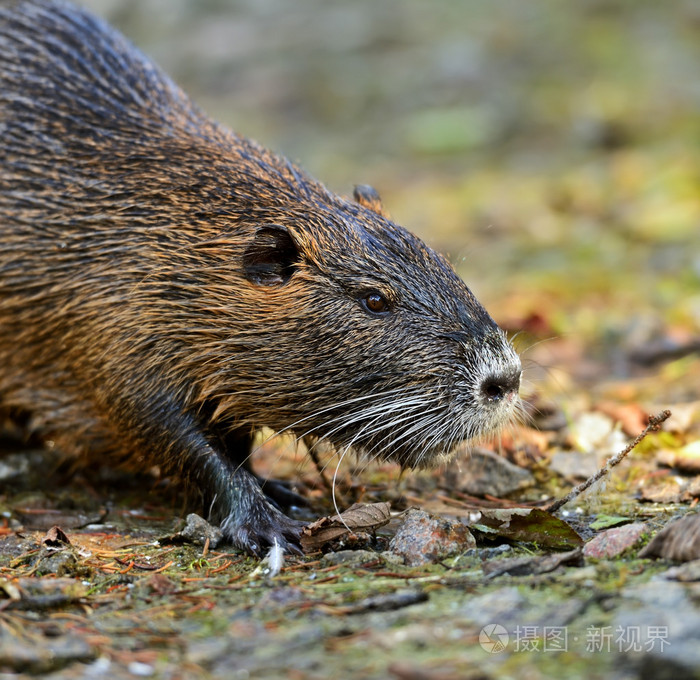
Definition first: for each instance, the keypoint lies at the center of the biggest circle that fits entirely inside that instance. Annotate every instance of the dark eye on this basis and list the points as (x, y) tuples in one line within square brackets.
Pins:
[(375, 303)]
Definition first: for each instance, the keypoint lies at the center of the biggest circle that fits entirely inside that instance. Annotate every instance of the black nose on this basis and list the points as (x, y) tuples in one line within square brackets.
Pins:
[(497, 387)]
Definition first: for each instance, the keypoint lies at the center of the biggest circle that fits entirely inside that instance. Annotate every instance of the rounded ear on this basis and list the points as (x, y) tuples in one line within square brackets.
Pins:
[(271, 256), (368, 197)]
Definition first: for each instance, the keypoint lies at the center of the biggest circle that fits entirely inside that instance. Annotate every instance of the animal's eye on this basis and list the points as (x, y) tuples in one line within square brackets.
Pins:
[(375, 303)]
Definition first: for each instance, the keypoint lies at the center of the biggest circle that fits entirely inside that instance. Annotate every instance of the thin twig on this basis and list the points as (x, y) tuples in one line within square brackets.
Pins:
[(653, 426)]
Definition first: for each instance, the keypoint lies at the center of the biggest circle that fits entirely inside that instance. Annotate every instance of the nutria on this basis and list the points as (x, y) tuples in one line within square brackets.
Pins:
[(167, 287)]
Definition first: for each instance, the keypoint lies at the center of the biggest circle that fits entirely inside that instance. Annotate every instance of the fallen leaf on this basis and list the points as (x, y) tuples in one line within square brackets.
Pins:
[(607, 521), (679, 540), (632, 417), (55, 538), (529, 524), (366, 517)]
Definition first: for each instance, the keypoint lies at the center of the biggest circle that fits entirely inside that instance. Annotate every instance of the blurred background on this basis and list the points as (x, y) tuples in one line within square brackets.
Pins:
[(550, 149)]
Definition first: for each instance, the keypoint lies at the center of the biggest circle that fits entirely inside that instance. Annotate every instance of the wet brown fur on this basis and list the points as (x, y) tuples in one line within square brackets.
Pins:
[(167, 286)]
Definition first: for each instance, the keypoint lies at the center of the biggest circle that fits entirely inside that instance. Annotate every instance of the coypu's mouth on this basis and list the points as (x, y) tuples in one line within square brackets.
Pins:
[(479, 409), (423, 430), (420, 421)]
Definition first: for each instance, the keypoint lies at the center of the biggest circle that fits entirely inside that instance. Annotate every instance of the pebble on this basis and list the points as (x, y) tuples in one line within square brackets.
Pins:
[(425, 538)]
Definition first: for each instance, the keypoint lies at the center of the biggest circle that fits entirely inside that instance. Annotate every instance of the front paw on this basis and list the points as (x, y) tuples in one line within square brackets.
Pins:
[(261, 527)]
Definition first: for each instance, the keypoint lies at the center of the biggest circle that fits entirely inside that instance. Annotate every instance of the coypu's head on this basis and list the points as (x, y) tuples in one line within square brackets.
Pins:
[(359, 333)]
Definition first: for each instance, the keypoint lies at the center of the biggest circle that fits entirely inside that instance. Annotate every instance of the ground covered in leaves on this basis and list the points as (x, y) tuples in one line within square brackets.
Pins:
[(552, 152)]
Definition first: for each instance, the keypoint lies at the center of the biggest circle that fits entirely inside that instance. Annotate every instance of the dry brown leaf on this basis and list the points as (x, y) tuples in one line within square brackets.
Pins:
[(55, 537), (679, 540), (632, 417), (359, 517)]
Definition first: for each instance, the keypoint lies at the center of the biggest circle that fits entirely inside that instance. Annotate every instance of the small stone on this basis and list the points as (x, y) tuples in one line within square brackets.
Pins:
[(391, 558), (535, 564), (98, 668), (690, 571), (198, 530), (141, 669), (613, 542), (425, 538), (61, 563), (351, 557), (595, 432)]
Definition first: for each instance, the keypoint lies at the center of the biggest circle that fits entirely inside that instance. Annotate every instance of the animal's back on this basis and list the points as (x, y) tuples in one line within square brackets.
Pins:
[(108, 176)]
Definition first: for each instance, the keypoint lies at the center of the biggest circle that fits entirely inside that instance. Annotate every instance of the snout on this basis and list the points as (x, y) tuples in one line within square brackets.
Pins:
[(501, 386)]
